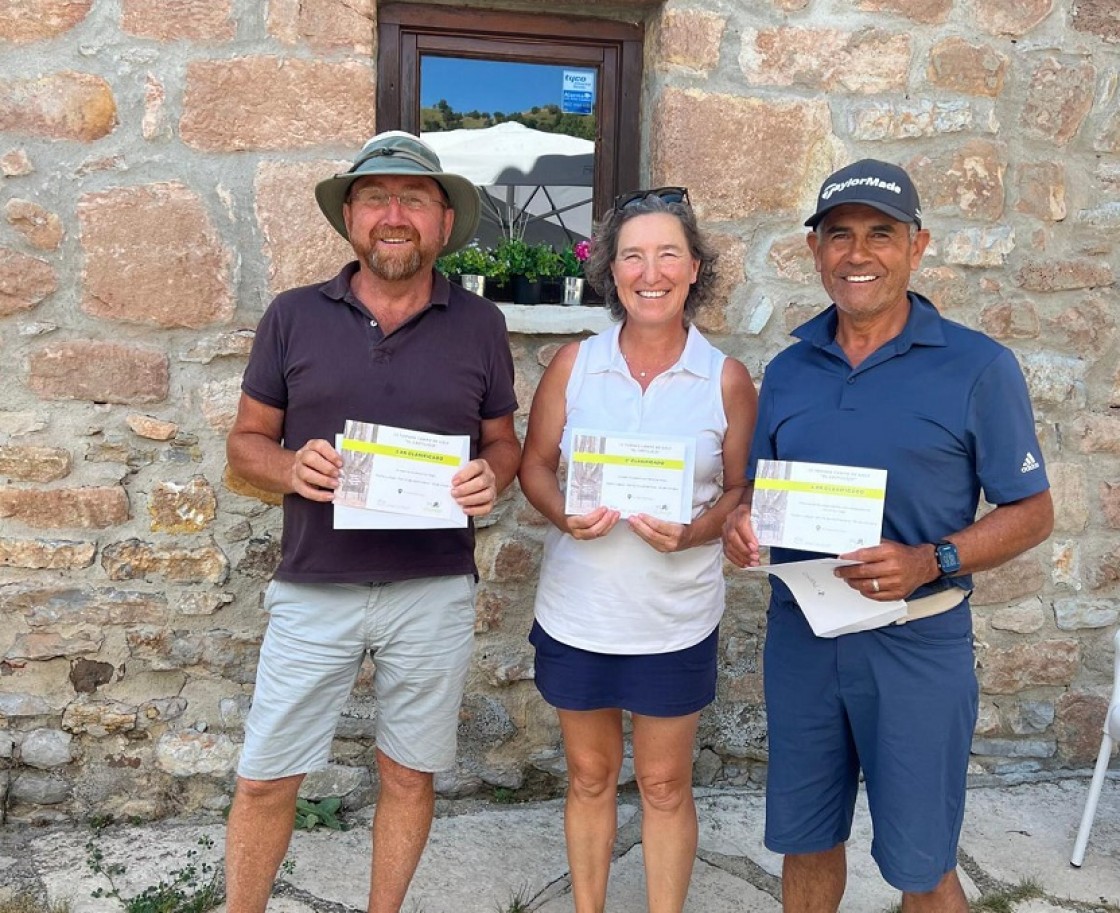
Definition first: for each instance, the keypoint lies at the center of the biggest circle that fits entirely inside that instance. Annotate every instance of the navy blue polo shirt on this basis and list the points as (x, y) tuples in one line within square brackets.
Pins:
[(942, 408), (319, 356)]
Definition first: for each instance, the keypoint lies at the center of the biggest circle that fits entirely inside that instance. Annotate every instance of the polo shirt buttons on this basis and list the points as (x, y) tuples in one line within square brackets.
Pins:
[(373, 323), (851, 380)]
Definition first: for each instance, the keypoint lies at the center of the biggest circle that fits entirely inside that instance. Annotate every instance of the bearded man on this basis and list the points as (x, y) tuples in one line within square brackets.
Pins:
[(387, 341)]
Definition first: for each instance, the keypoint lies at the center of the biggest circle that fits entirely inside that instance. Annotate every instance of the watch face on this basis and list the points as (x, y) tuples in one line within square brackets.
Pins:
[(947, 558)]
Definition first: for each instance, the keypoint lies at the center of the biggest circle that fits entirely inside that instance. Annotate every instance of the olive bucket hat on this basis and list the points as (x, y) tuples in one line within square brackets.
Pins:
[(397, 152)]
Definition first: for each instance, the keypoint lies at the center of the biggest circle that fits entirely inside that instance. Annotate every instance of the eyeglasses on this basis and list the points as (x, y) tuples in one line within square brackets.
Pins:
[(376, 198), (665, 194)]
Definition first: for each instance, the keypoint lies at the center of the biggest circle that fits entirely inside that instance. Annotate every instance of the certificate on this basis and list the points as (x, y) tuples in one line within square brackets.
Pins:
[(394, 478), (631, 473), (828, 603), (818, 507)]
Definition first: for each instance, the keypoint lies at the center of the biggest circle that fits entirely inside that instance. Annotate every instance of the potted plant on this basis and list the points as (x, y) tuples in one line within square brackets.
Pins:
[(518, 260), (571, 263)]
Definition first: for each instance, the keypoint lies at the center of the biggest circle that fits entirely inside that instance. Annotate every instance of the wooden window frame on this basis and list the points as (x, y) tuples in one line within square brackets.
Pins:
[(406, 31)]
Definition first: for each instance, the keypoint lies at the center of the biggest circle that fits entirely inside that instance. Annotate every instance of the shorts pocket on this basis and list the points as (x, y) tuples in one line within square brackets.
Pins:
[(952, 628)]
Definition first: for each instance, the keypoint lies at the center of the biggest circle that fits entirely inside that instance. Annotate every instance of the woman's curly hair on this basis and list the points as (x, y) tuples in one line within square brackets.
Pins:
[(604, 248)]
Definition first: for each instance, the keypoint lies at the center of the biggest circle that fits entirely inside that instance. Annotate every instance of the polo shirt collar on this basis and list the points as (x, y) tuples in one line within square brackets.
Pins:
[(338, 288), (924, 327), (693, 359)]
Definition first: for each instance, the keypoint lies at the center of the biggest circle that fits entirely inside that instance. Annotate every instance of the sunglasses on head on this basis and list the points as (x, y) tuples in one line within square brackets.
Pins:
[(665, 194)]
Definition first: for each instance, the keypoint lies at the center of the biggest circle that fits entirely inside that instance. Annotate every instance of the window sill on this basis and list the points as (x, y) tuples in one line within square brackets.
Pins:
[(554, 320)]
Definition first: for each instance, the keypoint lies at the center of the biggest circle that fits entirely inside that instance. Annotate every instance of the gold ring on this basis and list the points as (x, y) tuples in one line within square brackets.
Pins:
[(874, 585)]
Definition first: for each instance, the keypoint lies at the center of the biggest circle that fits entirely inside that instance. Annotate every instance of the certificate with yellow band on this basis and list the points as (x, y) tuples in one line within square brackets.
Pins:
[(630, 473), (818, 507), (401, 476)]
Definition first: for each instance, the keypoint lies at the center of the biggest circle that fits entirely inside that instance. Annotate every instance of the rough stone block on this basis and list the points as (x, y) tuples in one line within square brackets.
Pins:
[(153, 256), (37, 787), (1089, 326), (16, 163), (1042, 190), (1058, 99), (1071, 497), (24, 281), (97, 606), (300, 245), (1079, 727), (1078, 614), (1097, 17), (876, 121), (1016, 579), (187, 753), (218, 401), (26, 463), (46, 748), (690, 39), (1055, 379), (1011, 17), (789, 151), (301, 103), (236, 343), (103, 372), (1021, 619), (1008, 320), (41, 227), (52, 554), (1065, 275), (827, 60), (41, 645), (974, 69), (792, 259), (323, 24), (228, 655), (24, 23), (1110, 504), (182, 507), (153, 429), (171, 20), (65, 508), (505, 559), (978, 246), (1046, 662), (1096, 433), (99, 718), (968, 178), (1014, 748), (133, 560), (927, 12), (60, 106)]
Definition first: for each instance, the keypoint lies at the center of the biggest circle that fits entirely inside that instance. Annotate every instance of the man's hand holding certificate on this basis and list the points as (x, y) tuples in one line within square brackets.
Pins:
[(394, 478), (631, 473), (817, 507)]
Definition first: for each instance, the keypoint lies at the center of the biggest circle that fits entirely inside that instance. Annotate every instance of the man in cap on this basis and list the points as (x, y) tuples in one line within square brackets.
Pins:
[(880, 379), (387, 341)]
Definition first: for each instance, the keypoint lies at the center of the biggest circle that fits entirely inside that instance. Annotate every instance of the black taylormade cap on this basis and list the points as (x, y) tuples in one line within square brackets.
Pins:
[(881, 185)]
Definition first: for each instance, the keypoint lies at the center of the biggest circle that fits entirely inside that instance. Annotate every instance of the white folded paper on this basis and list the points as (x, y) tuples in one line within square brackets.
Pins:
[(829, 604), (818, 507)]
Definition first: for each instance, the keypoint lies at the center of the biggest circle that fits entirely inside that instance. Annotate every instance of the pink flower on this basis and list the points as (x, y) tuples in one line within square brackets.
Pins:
[(582, 250)]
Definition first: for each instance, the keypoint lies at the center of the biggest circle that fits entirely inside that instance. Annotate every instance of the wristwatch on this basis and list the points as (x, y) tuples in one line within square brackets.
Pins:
[(948, 560)]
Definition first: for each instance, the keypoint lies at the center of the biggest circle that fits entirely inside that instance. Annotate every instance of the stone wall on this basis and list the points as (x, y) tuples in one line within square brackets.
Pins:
[(156, 161)]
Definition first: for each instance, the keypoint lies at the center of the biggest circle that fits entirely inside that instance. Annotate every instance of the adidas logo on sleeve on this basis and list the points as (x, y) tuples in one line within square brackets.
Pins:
[(1029, 463)]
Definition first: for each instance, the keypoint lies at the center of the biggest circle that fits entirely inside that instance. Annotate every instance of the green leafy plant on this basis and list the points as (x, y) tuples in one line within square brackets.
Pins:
[(549, 264), (516, 257), (470, 261), (194, 888), (324, 813)]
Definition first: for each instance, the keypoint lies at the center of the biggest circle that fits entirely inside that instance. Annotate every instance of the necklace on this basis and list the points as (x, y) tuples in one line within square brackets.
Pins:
[(657, 369)]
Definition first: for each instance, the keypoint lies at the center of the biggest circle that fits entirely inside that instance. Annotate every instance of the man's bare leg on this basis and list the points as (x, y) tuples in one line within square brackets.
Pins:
[(814, 882), (257, 837), (401, 823), (947, 897)]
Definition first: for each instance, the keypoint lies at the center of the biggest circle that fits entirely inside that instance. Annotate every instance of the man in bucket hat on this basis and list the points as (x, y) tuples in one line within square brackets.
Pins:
[(387, 341), (880, 379)]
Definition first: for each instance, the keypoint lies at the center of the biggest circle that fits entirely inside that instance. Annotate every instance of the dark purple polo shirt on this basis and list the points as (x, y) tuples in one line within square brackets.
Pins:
[(319, 357)]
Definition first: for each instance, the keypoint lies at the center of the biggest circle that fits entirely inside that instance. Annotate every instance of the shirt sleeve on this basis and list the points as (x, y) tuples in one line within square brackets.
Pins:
[(500, 397), (264, 379), (1009, 461)]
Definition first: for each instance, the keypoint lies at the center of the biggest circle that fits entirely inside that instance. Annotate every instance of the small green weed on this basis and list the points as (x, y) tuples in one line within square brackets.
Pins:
[(1005, 901), (195, 888), (520, 902), (310, 815), (504, 796)]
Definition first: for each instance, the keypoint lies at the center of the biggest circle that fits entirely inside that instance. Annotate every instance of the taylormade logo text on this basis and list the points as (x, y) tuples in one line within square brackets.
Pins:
[(860, 182)]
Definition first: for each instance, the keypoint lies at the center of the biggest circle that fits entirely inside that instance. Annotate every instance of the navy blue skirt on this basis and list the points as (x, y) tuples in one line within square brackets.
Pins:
[(656, 684)]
